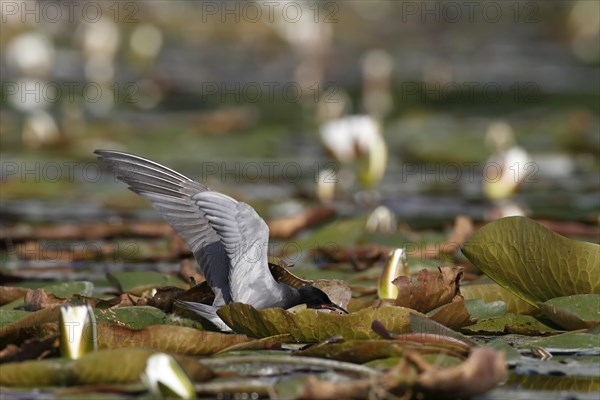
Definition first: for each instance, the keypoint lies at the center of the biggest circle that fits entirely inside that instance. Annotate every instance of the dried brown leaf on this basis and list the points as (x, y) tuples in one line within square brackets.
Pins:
[(432, 290), (38, 299), (454, 315)]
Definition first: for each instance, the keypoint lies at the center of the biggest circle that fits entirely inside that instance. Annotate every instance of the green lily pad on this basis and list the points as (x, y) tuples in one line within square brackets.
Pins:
[(310, 325), (533, 262), (481, 310), (135, 317), (137, 283), (573, 312), (510, 323)]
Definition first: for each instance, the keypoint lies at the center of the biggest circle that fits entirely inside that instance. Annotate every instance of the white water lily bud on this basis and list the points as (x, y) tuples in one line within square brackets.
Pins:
[(165, 378), (78, 333), (395, 266)]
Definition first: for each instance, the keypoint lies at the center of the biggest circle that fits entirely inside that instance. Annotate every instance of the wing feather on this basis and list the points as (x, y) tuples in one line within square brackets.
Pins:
[(170, 193)]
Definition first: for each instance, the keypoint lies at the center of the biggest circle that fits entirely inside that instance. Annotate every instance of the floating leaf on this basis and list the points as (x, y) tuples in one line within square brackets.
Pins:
[(139, 282), (311, 325), (133, 317), (573, 312), (433, 288), (491, 292), (533, 262), (481, 310), (510, 323), (167, 338)]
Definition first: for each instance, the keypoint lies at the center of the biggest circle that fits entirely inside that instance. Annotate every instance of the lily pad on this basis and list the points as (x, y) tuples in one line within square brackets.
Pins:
[(311, 325), (481, 310), (453, 315), (137, 283), (510, 323), (9, 316), (132, 317), (573, 312), (533, 262)]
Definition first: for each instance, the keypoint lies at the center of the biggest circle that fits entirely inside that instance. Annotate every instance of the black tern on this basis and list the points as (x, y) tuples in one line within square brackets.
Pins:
[(228, 238)]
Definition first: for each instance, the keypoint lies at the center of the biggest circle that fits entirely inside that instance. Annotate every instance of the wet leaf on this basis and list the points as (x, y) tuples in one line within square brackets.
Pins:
[(573, 312), (481, 310), (167, 338), (433, 288), (491, 292), (139, 282), (132, 317), (454, 315), (311, 325), (533, 262), (510, 323)]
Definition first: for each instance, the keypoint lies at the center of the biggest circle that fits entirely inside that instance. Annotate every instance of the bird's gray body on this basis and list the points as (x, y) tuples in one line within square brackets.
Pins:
[(228, 238)]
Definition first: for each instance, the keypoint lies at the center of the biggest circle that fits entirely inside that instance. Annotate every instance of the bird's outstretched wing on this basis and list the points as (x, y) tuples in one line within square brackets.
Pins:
[(245, 237), (170, 193)]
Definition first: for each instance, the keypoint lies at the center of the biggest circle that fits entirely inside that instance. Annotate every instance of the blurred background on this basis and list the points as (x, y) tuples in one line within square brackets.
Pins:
[(433, 109)]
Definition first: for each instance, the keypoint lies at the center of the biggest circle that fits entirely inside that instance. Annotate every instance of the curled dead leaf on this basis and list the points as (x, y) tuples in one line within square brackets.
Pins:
[(432, 290)]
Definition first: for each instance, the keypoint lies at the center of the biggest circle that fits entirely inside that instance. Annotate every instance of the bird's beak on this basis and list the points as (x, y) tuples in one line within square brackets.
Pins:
[(333, 307)]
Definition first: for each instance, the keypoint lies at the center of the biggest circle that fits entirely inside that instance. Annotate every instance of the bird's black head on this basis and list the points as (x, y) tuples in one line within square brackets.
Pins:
[(316, 298)]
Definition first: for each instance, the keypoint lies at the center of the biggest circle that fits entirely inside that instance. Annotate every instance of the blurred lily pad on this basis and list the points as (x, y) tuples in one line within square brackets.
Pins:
[(10, 316), (533, 262), (132, 317), (453, 315), (311, 325), (137, 283), (510, 323), (573, 312)]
